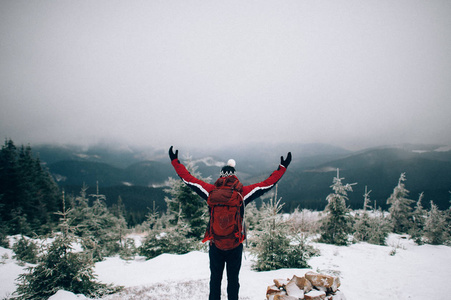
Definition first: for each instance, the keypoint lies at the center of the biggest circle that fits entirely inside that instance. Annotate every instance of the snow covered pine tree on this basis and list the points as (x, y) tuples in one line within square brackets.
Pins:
[(232, 257)]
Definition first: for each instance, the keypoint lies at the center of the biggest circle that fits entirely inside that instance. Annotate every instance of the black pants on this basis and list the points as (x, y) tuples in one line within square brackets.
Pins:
[(232, 260)]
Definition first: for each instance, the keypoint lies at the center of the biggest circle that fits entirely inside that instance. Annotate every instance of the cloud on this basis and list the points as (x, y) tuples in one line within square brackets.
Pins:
[(212, 73)]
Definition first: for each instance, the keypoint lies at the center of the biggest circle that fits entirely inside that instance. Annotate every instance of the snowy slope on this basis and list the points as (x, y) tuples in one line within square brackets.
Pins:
[(370, 272), (9, 270), (366, 271)]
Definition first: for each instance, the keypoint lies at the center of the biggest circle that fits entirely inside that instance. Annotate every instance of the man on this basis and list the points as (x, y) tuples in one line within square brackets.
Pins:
[(221, 256)]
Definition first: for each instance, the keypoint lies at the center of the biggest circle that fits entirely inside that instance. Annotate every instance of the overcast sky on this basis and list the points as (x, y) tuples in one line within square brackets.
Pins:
[(205, 73)]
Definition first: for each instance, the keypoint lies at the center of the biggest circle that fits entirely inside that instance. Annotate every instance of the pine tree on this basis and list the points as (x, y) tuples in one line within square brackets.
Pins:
[(372, 228), (40, 192), (448, 222), (251, 216), (379, 228), (4, 242), (305, 220), (435, 229), (400, 207), (366, 199), (337, 224), (61, 268), (118, 211), (193, 208), (165, 237), (18, 222), (418, 221), (9, 178), (155, 220), (152, 217), (172, 240), (362, 227), (101, 231), (362, 223), (26, 250), (80, 212), (106, 229), (30, 195), (9, 188), (275, 245)]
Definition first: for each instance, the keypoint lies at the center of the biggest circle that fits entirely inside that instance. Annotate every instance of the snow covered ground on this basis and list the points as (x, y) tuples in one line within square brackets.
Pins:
[(401, 271)]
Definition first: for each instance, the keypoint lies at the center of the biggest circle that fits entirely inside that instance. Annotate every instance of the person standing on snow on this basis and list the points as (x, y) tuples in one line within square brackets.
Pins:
[(226, 251)]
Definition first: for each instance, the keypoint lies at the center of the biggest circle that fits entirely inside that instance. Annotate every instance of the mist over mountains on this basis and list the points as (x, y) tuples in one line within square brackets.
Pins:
[(139, 175)]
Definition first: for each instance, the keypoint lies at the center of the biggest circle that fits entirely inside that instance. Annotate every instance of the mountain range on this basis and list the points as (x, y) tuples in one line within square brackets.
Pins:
[(139, 176)]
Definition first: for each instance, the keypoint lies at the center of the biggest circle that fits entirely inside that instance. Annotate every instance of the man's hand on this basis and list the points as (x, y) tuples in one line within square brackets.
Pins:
[(285, 162), (173, 155)]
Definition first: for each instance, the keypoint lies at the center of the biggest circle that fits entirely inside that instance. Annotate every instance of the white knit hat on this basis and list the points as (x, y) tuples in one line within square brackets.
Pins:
[(229, 169)]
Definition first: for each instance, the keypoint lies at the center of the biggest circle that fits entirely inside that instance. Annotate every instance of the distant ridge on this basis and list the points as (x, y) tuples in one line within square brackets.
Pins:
[(305, 185)]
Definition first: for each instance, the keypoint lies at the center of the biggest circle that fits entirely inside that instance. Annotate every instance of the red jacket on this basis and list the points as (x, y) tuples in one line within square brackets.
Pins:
[(250, 192)]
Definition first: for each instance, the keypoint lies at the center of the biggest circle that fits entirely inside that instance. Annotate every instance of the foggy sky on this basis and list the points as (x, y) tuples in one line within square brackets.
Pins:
[(203, 73)]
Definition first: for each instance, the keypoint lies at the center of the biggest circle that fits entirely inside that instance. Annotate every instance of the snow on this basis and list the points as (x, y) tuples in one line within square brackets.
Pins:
[(414, 272), (315, 293), (65, 295), (401, 270), (190, 266), (9, 271)]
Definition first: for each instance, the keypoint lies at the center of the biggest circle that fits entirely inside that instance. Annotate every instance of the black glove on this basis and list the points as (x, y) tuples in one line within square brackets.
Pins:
[(287, 161), (173, 155)]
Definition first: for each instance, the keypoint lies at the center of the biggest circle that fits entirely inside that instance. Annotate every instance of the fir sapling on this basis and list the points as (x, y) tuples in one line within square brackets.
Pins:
[(418, 221), (337, 223), (185, 203), (400, 207), (61, 268), (435, 229), (275, 245), (26, 250)]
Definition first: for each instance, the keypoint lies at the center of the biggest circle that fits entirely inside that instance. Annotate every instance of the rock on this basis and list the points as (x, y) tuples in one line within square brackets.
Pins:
[(293, 290), (313, 286), (331, 283), (303, 283), (281, 283), (272, 289), (315, 295), (338, 296), (273, 296), (284, 297)]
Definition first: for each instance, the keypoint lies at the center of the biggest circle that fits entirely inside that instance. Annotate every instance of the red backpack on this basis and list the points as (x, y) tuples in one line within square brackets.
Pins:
[(225, 203)]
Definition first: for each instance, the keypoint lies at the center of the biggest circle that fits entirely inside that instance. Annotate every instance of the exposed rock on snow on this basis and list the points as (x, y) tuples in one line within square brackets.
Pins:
[(319, 281), (280, 283), (294, 291), (303, 283), (312, 286), (284, 297), (316, 295)]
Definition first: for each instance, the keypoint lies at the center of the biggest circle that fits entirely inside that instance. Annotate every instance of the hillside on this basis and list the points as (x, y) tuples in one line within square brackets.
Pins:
[(379, 170), (139, 176)]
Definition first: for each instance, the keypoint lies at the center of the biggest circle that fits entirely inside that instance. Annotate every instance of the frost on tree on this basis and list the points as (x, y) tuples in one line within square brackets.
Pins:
[(362, 226), (336, 225), (400, 209), (275, 245), (62, 268), (435, 229), (184, 224), (418, 221), (372, 228)]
